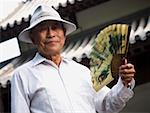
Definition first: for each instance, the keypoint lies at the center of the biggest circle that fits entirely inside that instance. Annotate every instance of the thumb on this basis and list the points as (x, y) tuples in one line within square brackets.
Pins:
[(124, 61)]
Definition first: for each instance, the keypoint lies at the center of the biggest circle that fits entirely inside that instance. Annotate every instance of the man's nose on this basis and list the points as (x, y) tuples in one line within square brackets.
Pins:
[(51, 32)]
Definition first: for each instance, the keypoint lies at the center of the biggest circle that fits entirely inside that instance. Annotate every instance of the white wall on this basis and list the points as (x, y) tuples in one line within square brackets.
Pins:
[(140, 103), (108, 11)]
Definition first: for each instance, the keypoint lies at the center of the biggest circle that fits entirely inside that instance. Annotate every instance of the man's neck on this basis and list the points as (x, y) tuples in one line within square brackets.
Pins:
[(55, 58)]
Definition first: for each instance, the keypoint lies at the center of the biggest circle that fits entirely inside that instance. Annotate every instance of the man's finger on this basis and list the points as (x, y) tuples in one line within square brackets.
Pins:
[(126, 66), (125, 76), (127, 71)]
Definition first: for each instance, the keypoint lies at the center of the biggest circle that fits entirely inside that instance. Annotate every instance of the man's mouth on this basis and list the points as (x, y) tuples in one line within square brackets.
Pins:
[(51, 41)]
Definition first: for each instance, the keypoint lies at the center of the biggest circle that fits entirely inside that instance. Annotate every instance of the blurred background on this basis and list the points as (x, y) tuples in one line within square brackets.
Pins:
[(90, 16)]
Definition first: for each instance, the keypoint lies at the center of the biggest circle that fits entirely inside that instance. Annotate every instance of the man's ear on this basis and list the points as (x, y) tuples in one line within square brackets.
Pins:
[(32, 37)]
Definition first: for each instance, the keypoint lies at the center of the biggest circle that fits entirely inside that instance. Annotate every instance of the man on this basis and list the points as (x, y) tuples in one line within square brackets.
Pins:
[(50, 83)]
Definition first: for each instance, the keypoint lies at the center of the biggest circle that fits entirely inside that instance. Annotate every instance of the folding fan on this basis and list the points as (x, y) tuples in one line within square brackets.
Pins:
[(110, 47)]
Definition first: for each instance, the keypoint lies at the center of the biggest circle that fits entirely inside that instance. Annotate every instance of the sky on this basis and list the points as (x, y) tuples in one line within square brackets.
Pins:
[(7, 6)]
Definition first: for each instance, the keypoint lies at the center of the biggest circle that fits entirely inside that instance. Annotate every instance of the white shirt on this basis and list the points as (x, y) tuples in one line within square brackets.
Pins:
[(39, 86)]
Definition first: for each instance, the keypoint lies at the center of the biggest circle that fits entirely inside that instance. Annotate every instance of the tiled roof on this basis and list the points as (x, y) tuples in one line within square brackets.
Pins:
[(25, 9), (140, 30)]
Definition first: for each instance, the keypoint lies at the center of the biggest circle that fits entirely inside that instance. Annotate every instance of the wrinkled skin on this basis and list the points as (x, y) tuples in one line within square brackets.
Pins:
[(126, 71), (49, 38)]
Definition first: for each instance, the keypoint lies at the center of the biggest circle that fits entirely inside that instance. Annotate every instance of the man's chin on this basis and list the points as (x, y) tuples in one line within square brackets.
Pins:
[(52, 53)]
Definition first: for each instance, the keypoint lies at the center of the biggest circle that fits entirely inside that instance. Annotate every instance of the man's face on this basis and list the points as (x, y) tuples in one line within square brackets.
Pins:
[(49, 37)]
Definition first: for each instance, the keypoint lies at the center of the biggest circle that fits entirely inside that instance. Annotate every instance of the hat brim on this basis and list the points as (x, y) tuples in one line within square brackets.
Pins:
[(24, 35)]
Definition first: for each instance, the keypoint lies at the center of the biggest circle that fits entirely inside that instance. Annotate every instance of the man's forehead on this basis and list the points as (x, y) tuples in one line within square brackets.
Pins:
[(49, 22)]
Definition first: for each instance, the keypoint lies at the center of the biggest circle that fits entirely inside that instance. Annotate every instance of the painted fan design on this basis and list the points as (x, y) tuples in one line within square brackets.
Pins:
[(110, 47)]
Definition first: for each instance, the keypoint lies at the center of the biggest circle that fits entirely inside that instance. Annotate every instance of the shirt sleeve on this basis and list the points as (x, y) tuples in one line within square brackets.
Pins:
[(113, 100), (19, 99)]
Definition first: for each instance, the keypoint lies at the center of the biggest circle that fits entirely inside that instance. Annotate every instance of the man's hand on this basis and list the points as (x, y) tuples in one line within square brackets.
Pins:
[(126, 71)]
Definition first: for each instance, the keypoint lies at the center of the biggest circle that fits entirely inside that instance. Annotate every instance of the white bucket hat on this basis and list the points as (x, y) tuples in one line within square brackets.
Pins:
[(42, 13)]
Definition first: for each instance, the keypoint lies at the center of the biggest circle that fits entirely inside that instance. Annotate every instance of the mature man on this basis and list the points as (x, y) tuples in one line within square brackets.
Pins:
[(50, 83)]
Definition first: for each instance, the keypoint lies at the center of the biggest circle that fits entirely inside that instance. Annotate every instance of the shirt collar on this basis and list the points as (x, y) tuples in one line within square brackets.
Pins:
[(39, 59)]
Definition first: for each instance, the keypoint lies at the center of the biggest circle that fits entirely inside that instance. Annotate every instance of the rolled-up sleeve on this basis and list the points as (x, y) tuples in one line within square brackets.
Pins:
[(113, 100), (19, 99)]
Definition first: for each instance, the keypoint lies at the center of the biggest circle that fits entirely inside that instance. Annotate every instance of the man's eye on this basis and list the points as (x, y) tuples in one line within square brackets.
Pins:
[(53, 27), (42, 28), (56, 26)]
